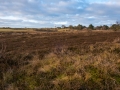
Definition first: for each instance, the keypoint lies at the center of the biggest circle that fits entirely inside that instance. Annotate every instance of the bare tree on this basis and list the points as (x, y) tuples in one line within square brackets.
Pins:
[(117, 22)]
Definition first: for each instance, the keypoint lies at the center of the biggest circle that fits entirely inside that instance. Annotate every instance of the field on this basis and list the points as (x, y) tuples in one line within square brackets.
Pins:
[(73, 60)]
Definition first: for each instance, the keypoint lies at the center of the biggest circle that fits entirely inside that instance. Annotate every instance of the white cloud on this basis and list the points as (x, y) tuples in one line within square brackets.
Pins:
[(60, 23), (31, 0), (39, 13), (10, 18)]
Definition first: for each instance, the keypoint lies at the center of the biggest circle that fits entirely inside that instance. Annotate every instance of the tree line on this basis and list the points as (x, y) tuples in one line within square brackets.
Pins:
[(114, 27)]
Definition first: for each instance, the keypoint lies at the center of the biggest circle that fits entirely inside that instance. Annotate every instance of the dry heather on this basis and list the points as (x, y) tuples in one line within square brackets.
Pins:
[(97, 68), (92, 65)]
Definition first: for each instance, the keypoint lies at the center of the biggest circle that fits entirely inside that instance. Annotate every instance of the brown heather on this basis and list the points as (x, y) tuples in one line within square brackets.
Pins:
[(60, 61)]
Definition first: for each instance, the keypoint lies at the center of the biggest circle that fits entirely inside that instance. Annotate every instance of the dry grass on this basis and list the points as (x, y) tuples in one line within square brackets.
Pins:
[(70, 71), (71, 66), (16, 30)]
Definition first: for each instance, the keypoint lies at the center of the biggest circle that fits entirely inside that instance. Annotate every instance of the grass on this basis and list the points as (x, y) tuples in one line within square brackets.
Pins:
[(14, 30), (71, 66)]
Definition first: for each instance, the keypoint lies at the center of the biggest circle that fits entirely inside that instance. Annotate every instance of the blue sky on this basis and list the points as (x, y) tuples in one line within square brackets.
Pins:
[(51, 13)]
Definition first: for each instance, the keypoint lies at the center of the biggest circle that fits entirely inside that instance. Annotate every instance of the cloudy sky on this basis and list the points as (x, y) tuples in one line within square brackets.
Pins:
[(51, 13)]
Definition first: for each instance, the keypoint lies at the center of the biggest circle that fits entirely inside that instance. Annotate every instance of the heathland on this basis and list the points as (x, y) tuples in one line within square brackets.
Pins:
[(59, 60)]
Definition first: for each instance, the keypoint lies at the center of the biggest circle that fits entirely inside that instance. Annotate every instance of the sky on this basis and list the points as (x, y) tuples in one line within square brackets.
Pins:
[(51, 13)]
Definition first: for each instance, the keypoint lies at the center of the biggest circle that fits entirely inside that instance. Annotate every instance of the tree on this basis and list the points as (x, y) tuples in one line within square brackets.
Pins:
[(63, 26), (79, 27), (105, 27), (98, 27), (117, 23), (91, 27), (116, 26), (71, 26)]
